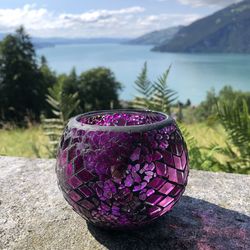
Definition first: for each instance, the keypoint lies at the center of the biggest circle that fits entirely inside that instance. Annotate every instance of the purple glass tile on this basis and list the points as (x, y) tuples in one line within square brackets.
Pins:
[(161, 168), (105, 207), (87, 192), (86, 204), (149, 167), (156, 183), (177, 162), (154, 199), (140, 187), (85, 176), (135, 168), (168, 158), (69, 170), (172, 175), (150, 192), (175, 191), (142, 196), (136, 177), (147, 178), (62, 157), (180, 177), (129, 181), (157, 156), (74, 182), (74, 196), (183, 160), (71, 153), (149, 158), (179, 149), (163, 145), (136, 154), (78, 163)]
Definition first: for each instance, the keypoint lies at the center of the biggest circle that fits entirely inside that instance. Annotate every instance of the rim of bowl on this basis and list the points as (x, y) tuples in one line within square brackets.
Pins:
[(75, 123)]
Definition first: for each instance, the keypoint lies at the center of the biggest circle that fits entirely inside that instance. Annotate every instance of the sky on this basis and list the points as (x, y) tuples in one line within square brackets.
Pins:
[(102, 18)]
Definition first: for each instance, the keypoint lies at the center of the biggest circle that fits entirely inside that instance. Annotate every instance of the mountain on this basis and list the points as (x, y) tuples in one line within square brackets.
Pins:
[(68, 41), (42, 42), (156, 37), (226, 31)]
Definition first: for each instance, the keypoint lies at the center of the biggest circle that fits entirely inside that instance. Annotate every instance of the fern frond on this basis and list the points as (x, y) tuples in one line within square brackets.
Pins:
[(62, 107), (163, 96), (142, 84), (235, 119)]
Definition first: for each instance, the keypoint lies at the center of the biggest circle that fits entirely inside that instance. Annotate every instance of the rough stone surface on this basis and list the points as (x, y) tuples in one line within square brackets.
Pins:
[(214, 213)]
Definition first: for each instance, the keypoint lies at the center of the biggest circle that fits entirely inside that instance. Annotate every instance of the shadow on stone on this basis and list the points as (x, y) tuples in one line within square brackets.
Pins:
[(193, 224)]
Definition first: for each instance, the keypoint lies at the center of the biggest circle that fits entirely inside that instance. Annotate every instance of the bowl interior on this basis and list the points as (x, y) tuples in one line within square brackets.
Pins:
[(121, 118)]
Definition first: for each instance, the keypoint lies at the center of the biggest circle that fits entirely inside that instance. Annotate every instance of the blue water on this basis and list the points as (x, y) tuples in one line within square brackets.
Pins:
[(191, 75)]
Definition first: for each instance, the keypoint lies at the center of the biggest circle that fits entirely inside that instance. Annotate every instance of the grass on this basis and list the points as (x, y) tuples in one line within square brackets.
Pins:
[(32, 142), (29, 142), (206, 135)]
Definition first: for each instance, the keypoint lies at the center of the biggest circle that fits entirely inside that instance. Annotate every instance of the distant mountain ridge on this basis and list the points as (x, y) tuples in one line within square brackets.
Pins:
[(226, 31), (156, 37), (42, 42)]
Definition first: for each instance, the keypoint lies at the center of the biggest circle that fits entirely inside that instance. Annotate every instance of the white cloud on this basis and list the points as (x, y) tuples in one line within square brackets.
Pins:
[(94, 23), (163, 19), (95, 16), (216, 3)]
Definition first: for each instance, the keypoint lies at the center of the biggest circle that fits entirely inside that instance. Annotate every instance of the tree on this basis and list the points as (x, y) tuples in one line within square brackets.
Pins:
[(98, 89), (22, 92), (49, 79), (227, 94), (207, 108), (188, 103), (71, 82)]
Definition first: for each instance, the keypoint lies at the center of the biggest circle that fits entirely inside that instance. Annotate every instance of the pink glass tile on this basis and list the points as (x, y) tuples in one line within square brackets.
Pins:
[(165, 202), (167, 188)]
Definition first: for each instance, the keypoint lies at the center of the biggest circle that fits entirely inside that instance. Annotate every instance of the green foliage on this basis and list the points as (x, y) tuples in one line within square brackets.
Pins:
[(154, 95), (98, 89), (235, 119), (199, 157), (22, 92), (207, 109), (163, 96), (145, 88), (62, 105), (49, 79)]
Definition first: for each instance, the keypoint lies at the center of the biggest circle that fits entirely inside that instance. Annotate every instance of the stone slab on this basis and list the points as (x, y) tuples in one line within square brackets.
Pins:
[(214, 213)]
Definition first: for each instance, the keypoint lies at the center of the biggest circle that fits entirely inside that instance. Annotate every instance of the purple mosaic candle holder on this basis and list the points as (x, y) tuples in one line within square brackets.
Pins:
[(122, 168)]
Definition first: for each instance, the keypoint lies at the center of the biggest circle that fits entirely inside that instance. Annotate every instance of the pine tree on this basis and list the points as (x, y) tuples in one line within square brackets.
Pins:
[(22, 92)]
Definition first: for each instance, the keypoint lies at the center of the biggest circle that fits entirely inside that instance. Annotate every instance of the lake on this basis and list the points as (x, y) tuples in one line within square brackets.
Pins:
[(191, 74)]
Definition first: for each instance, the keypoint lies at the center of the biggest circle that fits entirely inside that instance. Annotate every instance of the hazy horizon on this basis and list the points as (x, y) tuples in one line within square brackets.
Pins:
[(105, 19)]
